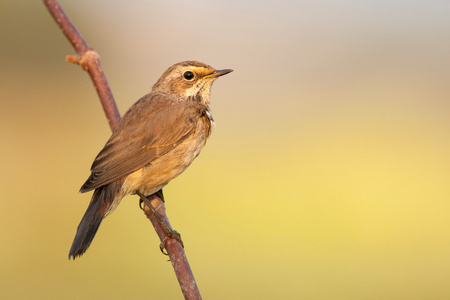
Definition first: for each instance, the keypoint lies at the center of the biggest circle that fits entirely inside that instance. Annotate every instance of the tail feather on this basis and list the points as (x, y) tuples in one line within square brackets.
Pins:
[(103, 201)]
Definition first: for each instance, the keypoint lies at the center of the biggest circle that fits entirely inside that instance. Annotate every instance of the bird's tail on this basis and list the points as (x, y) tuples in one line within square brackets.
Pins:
[(104, 200)]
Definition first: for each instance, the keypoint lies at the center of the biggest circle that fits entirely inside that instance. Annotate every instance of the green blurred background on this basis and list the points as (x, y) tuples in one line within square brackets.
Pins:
[(326, 177)]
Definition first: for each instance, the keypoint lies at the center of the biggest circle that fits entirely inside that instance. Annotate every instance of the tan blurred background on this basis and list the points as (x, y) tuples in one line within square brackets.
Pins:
[(326, 177)]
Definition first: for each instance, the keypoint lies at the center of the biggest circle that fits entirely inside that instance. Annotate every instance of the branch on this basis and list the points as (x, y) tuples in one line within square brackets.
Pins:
[(174, 249), (88, 59)]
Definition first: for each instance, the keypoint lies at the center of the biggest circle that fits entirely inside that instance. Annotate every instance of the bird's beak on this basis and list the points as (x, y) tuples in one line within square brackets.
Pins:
[(218, 73)]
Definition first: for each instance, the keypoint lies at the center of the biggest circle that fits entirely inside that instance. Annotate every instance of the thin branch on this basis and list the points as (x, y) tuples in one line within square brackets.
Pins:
[(88, 59), (174, 249)]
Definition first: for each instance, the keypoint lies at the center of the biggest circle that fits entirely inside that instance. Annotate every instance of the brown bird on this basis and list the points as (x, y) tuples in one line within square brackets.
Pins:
[(154, 142)]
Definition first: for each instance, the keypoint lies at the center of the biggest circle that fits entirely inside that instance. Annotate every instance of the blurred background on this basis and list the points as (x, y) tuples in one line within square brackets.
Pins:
[(326, 177)]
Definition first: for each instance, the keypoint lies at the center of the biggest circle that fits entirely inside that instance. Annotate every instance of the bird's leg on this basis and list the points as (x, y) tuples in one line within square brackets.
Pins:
[(158, 194), (169, 232)]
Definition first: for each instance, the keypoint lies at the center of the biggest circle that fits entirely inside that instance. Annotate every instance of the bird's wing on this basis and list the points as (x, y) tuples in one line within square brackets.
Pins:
[(149, 129)]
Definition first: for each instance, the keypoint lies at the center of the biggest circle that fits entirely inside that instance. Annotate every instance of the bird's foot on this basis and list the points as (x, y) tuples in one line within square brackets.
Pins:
[(170, 234), (168, 231)]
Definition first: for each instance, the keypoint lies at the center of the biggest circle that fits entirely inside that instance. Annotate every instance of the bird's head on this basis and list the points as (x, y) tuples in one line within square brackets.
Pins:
[(189, 80)]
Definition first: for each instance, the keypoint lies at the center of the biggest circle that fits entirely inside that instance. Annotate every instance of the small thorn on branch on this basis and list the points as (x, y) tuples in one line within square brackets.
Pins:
[(73, 59), (85, 59)]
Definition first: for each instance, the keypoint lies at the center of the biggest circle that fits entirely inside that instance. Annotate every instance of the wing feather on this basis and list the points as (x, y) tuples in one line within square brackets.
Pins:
[(151, 127)]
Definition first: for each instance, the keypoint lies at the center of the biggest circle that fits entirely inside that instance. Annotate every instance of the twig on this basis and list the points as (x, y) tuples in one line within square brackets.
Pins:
[(174, 249), (88, 59)]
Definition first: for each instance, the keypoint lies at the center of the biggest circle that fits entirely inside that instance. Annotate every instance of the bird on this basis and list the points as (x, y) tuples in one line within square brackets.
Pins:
[(155, 141)]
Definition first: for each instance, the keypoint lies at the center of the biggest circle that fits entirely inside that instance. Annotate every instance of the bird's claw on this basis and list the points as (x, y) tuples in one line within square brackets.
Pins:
[(170, 234)]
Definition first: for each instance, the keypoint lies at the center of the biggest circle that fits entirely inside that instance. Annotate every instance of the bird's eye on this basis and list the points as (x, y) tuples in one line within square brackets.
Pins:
[(188, 75)]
